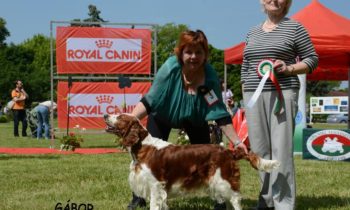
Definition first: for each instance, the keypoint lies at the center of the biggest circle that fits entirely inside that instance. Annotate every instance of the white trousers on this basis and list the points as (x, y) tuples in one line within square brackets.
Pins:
[(271, 136)]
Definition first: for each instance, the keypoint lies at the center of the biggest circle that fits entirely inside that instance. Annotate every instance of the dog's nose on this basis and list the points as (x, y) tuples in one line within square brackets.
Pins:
[(105, 116)]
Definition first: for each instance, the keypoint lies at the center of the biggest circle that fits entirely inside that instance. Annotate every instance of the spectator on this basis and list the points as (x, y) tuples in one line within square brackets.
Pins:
[(227, 94), (227, 97), (19, 96), (43, 112), (234, 107)]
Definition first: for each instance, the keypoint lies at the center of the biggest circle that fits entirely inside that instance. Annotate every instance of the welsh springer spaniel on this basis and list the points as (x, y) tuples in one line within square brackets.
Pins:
[(160, 169)]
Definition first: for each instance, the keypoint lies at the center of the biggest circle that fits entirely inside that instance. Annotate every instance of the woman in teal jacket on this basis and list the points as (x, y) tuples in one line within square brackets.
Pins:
[(186, 94)]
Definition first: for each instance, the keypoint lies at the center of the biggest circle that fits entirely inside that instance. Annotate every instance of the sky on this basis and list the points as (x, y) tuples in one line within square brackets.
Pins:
[(225, 22)]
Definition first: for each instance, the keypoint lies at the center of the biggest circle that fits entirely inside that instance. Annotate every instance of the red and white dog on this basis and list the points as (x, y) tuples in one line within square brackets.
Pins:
[(160, 169)]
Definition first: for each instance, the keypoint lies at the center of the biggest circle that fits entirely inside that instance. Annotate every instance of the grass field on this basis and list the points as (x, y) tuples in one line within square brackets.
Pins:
[(44, 181)]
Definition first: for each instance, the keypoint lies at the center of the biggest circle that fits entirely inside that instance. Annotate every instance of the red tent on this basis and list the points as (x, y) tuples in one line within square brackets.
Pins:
[(330, 34), (234, 55)]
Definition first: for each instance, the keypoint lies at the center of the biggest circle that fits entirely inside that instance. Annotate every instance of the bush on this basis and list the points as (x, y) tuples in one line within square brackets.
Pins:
[(9, 116), (3, 119)]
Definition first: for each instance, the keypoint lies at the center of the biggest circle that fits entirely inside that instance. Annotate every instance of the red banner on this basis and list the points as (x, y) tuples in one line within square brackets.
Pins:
[(89, 101), (81, 50)]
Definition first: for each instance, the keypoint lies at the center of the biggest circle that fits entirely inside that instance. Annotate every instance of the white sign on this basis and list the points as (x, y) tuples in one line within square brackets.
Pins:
[(329, 105), (96, 105), (104, 50)]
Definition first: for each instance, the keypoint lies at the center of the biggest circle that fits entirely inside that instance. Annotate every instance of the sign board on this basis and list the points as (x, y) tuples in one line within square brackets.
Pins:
[(89, 101), (326, 144), (329, 105), (97, 50)]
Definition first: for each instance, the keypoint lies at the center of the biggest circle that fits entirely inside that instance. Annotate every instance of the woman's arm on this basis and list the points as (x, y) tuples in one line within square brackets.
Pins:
[(231, 134), (291, 70), (139, 111), (25, 93), (298, 68), (20, 97), (306, 53)]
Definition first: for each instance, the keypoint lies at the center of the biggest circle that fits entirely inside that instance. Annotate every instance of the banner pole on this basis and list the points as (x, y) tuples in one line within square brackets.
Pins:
[(52, 128), (68, 101), (225, 81), (124, 105)]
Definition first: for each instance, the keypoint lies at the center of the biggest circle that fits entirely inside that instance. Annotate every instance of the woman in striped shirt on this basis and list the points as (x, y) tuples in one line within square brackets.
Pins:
[(283, 46)]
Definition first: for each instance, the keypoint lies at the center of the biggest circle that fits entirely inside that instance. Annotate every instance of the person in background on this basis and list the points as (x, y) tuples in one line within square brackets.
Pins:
[(186, 93), (227, 94), (19, 95), (227, 97), (233, 107), (281, 41), (43, 114)]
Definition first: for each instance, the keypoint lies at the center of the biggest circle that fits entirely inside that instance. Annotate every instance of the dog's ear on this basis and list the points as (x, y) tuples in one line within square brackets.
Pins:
[(142, 132), (135, 134), (130, 139)]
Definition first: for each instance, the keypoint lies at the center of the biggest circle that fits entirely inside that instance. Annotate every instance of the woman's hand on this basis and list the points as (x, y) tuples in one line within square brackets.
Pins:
[(231, 134), (25, 94), (242, 146), (282, 68)]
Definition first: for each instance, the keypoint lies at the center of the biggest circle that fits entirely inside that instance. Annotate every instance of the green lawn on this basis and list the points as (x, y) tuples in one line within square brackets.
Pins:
[(43, 181)]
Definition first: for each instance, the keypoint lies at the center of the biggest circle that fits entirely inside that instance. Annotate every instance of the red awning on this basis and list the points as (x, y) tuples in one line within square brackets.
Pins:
[(330, 34), (234, 55)]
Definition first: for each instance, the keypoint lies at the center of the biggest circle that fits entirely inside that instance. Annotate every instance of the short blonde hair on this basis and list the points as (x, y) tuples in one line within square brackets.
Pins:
[(286, 9)]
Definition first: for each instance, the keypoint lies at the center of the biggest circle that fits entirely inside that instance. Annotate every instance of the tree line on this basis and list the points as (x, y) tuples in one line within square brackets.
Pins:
[(29, 61)]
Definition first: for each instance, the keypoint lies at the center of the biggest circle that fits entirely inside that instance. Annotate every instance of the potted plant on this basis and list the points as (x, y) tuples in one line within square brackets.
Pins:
[(71, 141)]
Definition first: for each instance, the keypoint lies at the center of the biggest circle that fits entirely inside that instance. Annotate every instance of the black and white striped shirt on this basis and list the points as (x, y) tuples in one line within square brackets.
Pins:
[(287, 42)]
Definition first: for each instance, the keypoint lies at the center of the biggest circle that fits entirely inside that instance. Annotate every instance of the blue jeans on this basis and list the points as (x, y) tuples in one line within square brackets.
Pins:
[(43, 121)]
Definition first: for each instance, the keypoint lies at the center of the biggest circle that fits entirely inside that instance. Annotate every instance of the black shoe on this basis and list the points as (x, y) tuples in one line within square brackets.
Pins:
[(136, 202), (220, 206)]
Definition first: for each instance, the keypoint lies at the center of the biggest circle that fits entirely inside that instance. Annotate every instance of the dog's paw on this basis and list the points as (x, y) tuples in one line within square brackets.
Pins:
[(275, 164), (268, 165)]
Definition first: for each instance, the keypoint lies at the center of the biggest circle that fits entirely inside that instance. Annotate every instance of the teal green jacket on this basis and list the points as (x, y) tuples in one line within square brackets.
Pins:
[(168, 101)]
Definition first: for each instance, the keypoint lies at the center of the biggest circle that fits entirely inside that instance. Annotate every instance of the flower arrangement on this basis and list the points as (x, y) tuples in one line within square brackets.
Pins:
[(72, 140)]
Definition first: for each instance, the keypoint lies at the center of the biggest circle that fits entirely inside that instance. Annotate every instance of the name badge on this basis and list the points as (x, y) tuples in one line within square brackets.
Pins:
[(211, 97)]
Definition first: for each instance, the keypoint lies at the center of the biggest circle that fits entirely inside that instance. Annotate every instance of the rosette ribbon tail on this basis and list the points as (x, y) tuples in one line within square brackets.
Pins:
[(279, 107), (258, 91)]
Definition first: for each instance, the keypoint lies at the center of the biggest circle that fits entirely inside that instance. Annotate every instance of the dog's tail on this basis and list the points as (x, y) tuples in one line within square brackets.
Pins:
[(256, 161)]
